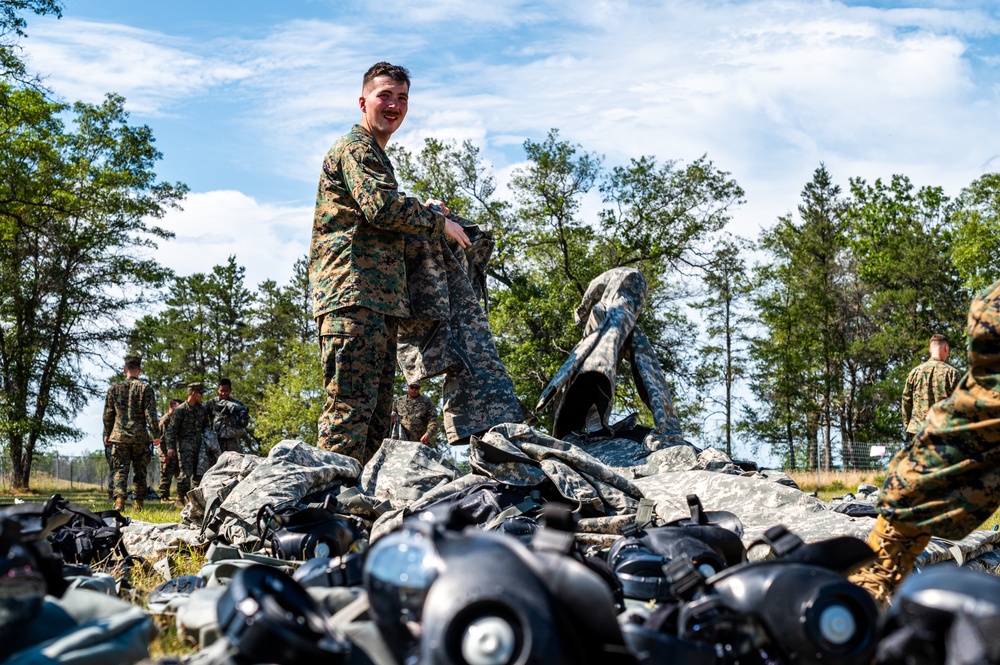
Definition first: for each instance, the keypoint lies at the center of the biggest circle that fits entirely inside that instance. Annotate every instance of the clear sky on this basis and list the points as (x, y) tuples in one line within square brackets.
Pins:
[(244, 98)]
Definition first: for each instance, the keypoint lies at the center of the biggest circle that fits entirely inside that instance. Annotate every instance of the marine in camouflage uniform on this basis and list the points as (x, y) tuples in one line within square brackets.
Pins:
[(356, 272), (183, 436), (928, 383), (168, 463), (130, 423), (224, 392), (417, 415), (947, 482)]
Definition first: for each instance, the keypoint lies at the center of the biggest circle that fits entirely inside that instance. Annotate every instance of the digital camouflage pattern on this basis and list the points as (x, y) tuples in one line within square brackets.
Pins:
[(214, 405), (356, 254), (583, 389), (448, 333), (927, 383), (184, 433), (947, 482), (358, 352), (130, 424), (130, 412), (169, 467), (403, 471), (418, 416)]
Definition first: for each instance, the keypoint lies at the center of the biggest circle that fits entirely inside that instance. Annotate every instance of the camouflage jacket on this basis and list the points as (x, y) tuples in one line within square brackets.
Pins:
[(130, 413), (164, 419), (927, 383), (356, 254), (186, 425), (418, 415)]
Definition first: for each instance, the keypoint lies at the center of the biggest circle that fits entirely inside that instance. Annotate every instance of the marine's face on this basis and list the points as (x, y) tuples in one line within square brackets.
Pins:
[(383, 107), (225, 392), (413, 391)]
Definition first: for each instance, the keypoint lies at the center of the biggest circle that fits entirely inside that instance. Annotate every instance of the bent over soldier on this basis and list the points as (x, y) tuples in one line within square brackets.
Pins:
[(947, 482), (130, 423), (183, 437), (417, 415)]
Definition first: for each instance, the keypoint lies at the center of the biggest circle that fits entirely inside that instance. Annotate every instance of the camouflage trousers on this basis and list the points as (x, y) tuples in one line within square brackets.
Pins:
[(187, 461), (358, 356), (136, 456), (169, 468), (947, 482)]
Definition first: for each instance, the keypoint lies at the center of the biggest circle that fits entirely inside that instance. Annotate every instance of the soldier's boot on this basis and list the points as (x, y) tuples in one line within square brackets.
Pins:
[(897, 547), (119, 503), (179, 504), (137, 504)]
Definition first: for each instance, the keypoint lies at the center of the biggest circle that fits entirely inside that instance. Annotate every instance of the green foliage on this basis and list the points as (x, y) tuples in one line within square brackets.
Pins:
[(76, 206), (975, 222), (290, 408)]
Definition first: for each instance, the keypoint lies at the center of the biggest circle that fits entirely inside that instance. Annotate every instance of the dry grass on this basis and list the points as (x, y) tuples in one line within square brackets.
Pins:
[(836, 481)]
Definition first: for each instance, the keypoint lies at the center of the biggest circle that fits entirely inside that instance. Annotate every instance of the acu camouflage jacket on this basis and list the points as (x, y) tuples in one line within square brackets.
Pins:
[(356, 255)]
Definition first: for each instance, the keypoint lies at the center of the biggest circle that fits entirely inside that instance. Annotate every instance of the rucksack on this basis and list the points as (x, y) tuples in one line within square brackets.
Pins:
[(87, 537), (231, 419)]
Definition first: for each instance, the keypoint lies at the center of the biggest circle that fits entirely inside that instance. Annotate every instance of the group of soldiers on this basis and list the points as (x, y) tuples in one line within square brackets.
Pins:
[(132, 428)]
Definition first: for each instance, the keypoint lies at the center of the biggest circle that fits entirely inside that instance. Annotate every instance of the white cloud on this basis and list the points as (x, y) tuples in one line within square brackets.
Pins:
[(266, 238)]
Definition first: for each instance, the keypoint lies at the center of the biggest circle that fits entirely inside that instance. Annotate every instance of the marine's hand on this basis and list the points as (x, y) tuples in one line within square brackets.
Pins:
[(171, 453), (107, 442), (455, 230), (425, 438), (437, 206)]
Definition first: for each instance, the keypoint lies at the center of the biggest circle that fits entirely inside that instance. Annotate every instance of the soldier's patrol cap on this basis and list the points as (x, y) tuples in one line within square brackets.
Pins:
[(196, 387)]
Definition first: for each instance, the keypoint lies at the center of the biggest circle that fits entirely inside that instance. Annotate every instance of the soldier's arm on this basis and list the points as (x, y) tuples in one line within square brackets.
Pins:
[(952, 380), (432, 423), (109, 415), (384, 206), (152, 420), (907, 402), (170, 431)]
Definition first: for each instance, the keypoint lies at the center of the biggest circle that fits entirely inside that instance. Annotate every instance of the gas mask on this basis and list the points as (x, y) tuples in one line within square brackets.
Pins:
[(443, 597), (309, 533), (28, 568)]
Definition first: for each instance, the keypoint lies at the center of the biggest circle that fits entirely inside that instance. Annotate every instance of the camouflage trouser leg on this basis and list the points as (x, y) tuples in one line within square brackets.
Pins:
[(137, 456), (111, 470), (168, 469), (187, 459), (358, 348), (948, 481)]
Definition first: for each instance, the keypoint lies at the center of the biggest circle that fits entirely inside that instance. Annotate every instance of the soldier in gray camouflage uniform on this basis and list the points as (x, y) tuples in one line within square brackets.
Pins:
[(356, 271), (129, 423), (183, 437), (947, 482), (417, 415)]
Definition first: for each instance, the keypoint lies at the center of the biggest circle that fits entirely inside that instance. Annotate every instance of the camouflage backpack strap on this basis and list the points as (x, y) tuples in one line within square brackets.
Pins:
[(531, 503), (644, 512)]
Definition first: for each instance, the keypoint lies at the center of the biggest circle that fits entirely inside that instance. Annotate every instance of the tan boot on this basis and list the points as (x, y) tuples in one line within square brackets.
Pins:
[(897, 547), (137, 504), (119, 503)]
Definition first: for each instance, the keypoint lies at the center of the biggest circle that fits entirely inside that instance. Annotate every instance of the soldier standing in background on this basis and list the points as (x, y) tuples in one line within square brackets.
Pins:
[(183, 437), (130, 423), (224, 393), (168, 463), (356, 270), (928, 383), (947, 482), (417, 415)]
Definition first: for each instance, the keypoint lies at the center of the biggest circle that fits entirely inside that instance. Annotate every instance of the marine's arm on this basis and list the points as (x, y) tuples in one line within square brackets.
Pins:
[(109, 416), (152, 420), (907, 401)]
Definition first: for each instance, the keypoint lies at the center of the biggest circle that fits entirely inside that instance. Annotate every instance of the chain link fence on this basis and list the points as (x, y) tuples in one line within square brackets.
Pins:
[(56, 471), (856, 457)]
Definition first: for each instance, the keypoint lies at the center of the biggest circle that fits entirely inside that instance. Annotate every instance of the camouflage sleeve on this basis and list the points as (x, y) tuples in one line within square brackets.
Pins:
[(432, 425), (907, 402), (170, 432), (152, 420), (109, 414), (383, 205), (952, 380)]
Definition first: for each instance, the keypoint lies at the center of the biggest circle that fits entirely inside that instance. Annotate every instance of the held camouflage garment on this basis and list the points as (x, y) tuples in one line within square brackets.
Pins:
[(356, 261), (418, 416), (948, 481), (183, 435), (449, 333), (583, 389), (130, 423), (927, 383), (230, 418)]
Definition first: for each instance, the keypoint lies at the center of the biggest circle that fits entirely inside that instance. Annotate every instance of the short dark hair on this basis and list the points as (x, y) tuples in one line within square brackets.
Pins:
[(939, 339), (395, 72), (133, 362), (225, 382)]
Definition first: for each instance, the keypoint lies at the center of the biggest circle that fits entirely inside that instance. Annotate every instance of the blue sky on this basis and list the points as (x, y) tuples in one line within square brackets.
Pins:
[(245, 98)]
